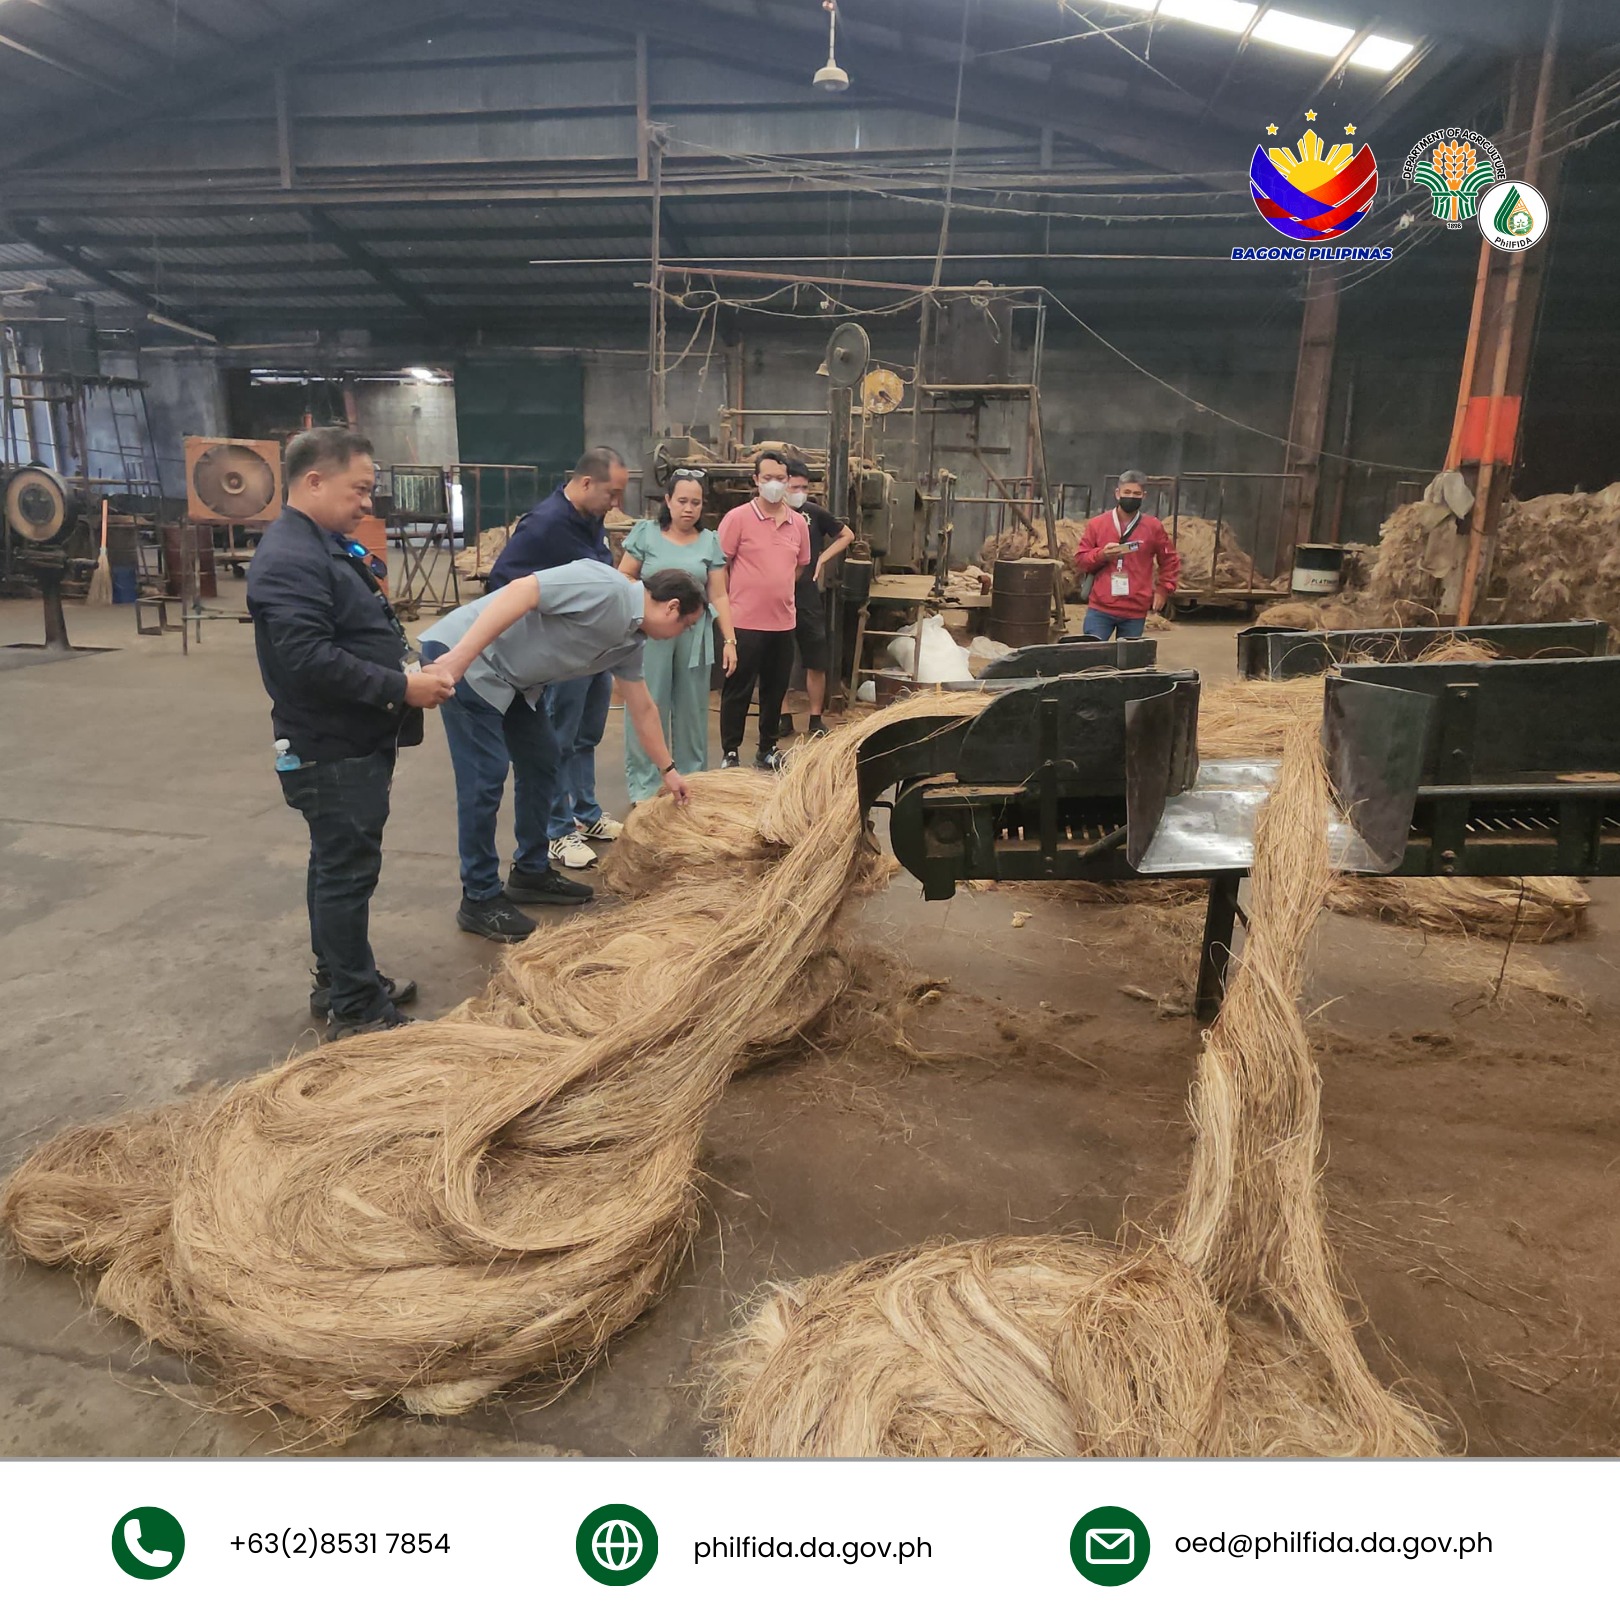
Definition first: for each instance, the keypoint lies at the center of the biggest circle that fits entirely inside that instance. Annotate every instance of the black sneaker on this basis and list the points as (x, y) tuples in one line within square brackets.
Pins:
[(547, 888), (340, 1029), (786, 727), (730, 762), (494, 919), (817, 727), (768, 762), (399, 991)]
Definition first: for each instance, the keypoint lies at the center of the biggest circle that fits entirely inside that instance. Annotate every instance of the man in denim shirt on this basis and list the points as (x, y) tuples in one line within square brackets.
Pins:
[(567, 527), (332, 657)]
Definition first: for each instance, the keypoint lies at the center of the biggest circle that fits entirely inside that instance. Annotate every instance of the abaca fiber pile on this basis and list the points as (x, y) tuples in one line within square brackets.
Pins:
[(1557, 557), (1225, 1336), (431, 1213)]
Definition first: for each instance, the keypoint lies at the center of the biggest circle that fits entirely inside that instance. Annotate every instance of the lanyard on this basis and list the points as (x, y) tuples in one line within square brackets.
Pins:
[(1124, 534)]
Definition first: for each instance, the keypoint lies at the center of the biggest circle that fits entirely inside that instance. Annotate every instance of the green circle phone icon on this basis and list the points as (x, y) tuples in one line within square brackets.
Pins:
[(148, 1543)]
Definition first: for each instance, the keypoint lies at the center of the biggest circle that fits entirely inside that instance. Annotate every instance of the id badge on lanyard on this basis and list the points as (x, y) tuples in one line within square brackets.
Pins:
[(1119, 583)]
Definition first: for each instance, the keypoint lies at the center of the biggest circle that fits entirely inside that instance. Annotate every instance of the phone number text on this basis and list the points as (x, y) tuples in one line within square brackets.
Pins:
[(310, 1543)]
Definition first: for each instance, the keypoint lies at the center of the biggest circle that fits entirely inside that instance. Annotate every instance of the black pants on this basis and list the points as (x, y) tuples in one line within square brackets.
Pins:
[(765, 658), (345, 802)]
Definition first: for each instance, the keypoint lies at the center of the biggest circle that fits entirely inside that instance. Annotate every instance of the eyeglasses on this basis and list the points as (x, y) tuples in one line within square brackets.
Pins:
[(686, 472)]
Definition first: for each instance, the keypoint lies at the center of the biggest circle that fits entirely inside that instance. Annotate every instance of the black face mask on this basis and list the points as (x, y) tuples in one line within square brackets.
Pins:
[(1130, 503)]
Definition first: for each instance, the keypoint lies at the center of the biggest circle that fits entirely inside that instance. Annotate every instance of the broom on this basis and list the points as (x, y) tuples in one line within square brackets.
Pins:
[(101, 580)]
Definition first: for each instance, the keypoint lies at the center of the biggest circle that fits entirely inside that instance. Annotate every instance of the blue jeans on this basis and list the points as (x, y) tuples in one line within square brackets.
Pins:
[(1104, 625), (345, 802), (578, 712), (484, 745)]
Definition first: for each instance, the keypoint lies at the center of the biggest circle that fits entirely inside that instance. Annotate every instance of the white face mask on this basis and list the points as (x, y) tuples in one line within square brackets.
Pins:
[(797, 498), (772, 491)]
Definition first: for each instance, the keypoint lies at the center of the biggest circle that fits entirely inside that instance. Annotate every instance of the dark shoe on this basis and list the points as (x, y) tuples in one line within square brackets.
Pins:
[(786, 728), (730, 763), (817, 727), (493, 919), (768, 762), (340, 1029), (399, 991), (547, 888)]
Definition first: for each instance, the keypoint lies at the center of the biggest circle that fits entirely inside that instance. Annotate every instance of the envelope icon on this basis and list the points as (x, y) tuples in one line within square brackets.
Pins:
[(1110, 1546)]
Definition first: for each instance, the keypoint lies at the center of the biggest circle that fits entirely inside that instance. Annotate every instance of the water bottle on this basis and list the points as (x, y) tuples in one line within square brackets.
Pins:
[(286, 759)]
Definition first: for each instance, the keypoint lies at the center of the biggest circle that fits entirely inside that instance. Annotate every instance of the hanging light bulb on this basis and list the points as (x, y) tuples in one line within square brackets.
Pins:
[(832, 77)]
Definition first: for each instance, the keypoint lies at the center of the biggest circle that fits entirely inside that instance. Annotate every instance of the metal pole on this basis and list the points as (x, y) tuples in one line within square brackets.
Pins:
[(655, 299)]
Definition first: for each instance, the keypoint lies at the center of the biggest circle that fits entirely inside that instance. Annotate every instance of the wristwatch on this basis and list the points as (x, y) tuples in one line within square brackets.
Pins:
[(667, 769)]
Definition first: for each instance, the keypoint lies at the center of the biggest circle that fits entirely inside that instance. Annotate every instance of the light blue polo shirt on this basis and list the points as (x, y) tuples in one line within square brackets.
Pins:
[(588, 622)]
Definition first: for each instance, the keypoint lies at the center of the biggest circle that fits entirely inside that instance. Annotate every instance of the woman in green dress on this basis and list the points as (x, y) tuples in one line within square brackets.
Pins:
[(677, 671)]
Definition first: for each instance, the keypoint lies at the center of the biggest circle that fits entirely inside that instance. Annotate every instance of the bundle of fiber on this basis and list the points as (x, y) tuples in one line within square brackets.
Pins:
[(435, 1212), (1228, 1336), (1533, 910), (1217, 562), (475, 562), (718, 829), (1017, 543), (1011, 1347), (1251, 719), (1557, 557)]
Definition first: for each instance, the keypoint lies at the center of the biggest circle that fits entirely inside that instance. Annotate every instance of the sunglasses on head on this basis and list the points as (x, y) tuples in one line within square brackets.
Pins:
[(685, 472)]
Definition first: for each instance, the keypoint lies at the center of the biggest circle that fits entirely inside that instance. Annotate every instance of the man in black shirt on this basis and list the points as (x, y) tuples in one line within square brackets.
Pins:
[(332, 656), (829, 539)]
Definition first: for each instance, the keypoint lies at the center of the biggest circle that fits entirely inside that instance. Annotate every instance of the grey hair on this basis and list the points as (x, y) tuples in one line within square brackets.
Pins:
[(1133, 476)]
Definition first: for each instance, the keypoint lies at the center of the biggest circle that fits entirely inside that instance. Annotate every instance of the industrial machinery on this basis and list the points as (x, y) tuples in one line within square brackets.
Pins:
[(233, 480), (1480, 769), (1267, 654), (44, 539)]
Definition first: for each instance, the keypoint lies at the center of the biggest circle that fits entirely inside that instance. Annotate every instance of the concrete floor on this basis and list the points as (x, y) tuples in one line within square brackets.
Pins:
[(152, 942)]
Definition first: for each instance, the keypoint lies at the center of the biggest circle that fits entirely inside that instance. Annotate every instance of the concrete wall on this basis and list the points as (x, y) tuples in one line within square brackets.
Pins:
[(185, 395), (408, 422)]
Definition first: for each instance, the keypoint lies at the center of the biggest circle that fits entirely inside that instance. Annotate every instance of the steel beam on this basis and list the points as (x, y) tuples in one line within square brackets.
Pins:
[(65, 254), (328, 230), (216, 78)]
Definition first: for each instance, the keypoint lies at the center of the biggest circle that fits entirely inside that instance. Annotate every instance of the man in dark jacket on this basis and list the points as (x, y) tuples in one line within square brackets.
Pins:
[(333, 659), (568, 527)]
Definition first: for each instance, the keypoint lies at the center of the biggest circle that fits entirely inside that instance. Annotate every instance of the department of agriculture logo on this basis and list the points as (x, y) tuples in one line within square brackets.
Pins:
[(1110, 1546), (148, 1543), (616, 1545), (1512, 216), (1454, 166), (1318, 192)]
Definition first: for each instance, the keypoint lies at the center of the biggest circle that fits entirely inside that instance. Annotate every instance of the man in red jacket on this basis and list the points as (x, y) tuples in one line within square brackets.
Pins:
[(1121, 551)]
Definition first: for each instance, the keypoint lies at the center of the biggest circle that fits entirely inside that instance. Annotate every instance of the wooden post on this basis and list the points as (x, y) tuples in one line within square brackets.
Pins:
[(1507, 298), (1307, 422)]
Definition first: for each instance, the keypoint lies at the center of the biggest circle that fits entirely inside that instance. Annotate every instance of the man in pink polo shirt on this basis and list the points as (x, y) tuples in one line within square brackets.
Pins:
[(767, 546)]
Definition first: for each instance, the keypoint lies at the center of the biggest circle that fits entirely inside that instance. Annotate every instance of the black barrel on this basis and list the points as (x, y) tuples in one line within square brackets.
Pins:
[(1021, 602)]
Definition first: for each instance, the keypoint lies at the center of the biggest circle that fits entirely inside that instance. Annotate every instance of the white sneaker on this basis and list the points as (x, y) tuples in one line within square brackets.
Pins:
[(603, 831), (573, 852)]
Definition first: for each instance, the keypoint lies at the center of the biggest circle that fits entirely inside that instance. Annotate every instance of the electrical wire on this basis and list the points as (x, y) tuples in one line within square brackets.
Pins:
[(1247, 427), (956, 131)]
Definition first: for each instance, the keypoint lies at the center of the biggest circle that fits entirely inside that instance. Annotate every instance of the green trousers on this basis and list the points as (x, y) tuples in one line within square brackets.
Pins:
[(682, 696)]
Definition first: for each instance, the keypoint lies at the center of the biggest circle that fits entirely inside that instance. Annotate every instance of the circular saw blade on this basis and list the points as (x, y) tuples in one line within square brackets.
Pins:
[(881, 392), (40, 508), (234, 481), (848, 351)]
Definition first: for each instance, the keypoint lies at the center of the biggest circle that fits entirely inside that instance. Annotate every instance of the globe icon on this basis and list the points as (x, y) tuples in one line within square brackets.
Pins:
[(617, 1544)]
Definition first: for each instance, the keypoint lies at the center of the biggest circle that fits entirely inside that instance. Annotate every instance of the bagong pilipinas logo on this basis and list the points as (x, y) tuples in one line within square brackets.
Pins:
[(1455, 166), (1318, 193)]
